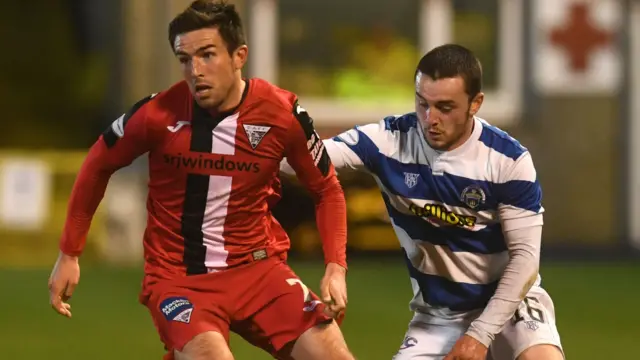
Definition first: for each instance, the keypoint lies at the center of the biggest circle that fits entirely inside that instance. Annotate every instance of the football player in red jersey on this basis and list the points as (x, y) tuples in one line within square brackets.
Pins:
[(215, 257)]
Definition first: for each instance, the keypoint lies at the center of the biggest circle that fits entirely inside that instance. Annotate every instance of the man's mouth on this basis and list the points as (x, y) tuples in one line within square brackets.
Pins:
[(201, 89)]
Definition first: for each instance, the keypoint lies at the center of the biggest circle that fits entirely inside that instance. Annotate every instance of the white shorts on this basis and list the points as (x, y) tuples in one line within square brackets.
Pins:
[(533, 324)]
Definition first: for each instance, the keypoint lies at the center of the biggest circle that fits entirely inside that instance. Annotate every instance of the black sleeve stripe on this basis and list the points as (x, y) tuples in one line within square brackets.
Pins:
[(314, 143), (116, 130)]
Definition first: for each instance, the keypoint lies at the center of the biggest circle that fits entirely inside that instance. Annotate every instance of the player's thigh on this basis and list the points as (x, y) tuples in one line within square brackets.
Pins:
[(209, 345), (542, 351), (323, 341), (282, 310), (426, 341), (181, 315), (532, 330)]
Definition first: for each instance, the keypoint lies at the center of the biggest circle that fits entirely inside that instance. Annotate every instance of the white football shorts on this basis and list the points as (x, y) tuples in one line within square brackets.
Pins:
[(533, 324)]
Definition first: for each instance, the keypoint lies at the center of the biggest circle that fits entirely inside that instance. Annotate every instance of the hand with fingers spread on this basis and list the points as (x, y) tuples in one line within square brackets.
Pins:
[(333, 290), (62, 283)]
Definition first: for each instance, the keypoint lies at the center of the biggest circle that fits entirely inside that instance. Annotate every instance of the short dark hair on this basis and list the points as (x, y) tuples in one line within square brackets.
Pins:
[(210, 13), (451, 60)]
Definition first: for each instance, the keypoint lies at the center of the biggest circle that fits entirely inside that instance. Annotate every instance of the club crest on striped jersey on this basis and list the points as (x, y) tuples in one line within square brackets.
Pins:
[(411, 179), (255, 133), (473, 196)]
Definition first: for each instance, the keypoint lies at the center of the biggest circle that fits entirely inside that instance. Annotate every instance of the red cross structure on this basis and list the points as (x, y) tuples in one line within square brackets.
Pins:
[(579, 37)]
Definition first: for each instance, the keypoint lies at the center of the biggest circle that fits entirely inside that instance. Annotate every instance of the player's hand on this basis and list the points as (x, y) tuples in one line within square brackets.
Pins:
[(62, 283), (467, 348), (333, 290)]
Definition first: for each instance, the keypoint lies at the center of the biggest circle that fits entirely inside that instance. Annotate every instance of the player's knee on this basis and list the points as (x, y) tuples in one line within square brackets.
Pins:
[(543, 351), (210, 345), (323, 341)]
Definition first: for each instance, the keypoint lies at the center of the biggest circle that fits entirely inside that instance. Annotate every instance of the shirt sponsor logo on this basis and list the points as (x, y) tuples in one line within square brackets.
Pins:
[(180, 161), (440, 213)]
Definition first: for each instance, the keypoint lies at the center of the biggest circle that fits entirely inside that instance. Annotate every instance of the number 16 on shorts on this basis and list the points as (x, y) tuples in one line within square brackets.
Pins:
[(530, 313)]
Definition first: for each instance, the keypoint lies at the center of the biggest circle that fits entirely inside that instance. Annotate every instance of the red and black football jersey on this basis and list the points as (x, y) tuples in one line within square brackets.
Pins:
[(213, 178)]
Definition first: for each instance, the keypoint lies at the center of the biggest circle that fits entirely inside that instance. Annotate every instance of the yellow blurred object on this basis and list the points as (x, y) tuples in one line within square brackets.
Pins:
[(378, 237), (369, 228), (37, 247), (365, 205), (378, 69)]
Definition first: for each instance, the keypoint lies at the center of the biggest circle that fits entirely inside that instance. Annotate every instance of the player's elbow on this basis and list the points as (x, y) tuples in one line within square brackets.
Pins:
[(525, 262), (526, 254), (99, 161), (330, 192)]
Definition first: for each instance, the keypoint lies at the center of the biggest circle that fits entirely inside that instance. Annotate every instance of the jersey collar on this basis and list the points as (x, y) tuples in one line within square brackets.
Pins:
[(433, 154)]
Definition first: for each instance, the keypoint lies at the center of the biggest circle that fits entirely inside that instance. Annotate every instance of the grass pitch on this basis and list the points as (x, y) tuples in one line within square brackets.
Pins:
[(596, 308)]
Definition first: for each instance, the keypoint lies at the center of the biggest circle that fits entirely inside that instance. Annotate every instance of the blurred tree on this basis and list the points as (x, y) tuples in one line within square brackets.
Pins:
[(364, 50), (380, 67), (47, 86)]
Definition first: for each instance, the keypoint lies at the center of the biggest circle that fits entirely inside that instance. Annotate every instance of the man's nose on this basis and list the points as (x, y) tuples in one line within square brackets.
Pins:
[(196, 67), (431, 118)]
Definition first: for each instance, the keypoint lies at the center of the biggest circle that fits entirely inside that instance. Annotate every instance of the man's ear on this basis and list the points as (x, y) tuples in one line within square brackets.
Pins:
[(476, 103)]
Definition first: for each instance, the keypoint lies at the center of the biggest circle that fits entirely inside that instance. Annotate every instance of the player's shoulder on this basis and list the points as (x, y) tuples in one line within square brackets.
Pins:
[(389, 126), (399, 123), (156, 106), (280, 107), (171, 100), (500, 141), (383, 136), (272, 97), (514, 161), (143, 114), (174, 95)]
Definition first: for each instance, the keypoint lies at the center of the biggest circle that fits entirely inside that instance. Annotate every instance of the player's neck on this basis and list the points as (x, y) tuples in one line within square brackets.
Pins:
[(234, 98)]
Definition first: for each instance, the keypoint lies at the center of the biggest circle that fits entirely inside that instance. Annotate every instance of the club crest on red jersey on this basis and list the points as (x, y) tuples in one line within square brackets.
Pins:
[(255, 133)]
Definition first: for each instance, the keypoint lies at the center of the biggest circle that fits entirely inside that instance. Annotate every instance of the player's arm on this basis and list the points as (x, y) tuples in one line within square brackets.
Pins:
[(353, 149), (520, 212), (309, 159), (339, 153), (126, 139)]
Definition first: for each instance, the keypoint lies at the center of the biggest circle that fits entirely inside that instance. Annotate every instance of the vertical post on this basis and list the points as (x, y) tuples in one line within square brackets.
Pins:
[(503, 104), (435, 23), (138, 48), (511, 50), (263, 39), (633, 101)]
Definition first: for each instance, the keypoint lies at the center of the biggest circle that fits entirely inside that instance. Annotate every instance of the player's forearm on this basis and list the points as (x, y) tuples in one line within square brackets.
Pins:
[(519, 275), (87, 192), (339, 154), (331, 219)]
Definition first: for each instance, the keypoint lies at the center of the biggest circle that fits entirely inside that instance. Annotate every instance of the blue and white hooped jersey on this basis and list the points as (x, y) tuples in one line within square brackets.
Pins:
[(448, 209)]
